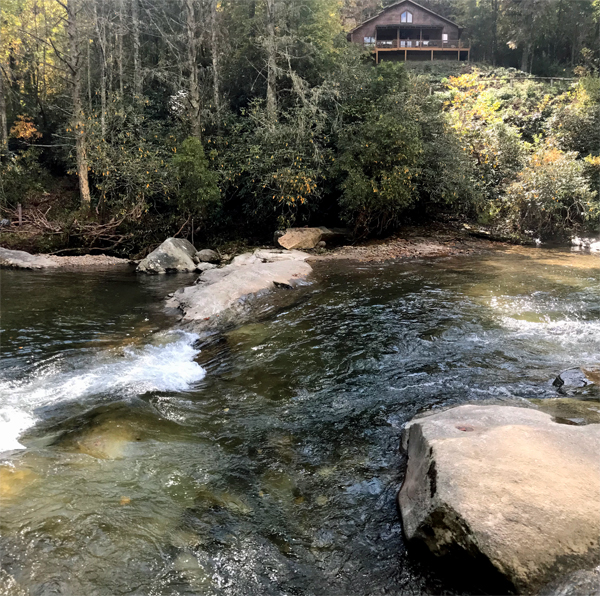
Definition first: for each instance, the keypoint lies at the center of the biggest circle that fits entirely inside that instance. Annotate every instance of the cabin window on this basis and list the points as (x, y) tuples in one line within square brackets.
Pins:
[(406, 17), (444, 37), (369, 41)]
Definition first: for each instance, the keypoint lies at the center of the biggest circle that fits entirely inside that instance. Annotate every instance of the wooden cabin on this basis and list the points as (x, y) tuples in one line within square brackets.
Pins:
[(408, 31)]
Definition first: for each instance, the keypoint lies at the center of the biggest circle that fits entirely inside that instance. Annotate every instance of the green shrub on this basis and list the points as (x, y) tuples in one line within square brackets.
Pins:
[(380, 162), (198, 195), (21, 177), (551, 196), (130, 166)]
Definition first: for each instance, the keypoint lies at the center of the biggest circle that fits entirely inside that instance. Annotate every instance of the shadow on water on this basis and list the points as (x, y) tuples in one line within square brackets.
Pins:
[(265, 459)]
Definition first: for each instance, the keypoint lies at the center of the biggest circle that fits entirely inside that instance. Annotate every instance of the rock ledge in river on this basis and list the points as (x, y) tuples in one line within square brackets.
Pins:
[(173, 255), (508, 484), (224, 289), (19, 259)]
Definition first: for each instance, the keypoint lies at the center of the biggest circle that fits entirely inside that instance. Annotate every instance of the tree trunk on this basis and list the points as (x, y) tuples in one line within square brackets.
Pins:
[(194, 90), (3, 124), (525, 56), (215, 61), (78, 120), (495, 31), (89, 79), (135, 24), (120, 48), (101, 32), (271, 62)]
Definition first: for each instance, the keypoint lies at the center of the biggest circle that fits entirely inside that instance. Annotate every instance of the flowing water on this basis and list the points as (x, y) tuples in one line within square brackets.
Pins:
[(136, 460)]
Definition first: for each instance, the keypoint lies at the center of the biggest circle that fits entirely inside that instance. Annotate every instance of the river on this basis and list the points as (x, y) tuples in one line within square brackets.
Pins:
[(136, 460)]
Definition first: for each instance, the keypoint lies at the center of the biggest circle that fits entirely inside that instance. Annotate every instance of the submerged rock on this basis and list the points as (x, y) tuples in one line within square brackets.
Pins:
[(223, 292), (19, 259), (173, 255), (571, 411), (507, 485), (15, 481), (109, 432)]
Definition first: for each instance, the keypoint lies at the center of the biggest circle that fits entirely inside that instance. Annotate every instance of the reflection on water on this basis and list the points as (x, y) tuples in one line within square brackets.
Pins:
[(266, 461)]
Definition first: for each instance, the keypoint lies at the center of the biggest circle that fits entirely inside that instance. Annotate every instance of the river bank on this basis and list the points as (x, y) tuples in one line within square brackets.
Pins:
[(430, 241)]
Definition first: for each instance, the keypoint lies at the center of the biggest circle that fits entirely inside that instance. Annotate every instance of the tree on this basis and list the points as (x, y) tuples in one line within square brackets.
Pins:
[(74, 62)]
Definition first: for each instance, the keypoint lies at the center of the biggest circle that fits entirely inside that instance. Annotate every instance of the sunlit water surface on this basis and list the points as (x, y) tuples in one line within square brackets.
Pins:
[(137, 461)]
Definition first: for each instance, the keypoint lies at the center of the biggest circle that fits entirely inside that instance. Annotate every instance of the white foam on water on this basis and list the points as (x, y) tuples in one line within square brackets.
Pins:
[(166, 365), (12, 424)]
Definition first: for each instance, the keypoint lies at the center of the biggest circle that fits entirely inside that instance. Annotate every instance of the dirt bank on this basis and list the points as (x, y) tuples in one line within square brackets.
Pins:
[(414, 243)]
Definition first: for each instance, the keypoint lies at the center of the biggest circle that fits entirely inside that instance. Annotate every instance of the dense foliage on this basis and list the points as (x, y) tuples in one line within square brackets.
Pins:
[(233, 118)]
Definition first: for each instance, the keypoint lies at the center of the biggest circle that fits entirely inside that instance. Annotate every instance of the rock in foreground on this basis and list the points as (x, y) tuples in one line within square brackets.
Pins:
[(19, 259), (506, 484), (173, 255), (223, 292)]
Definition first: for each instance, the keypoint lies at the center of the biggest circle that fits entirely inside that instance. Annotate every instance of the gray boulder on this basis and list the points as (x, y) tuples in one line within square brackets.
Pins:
[(173, 255), (207, 256), (506, 484), (221, 294), (19, 259)]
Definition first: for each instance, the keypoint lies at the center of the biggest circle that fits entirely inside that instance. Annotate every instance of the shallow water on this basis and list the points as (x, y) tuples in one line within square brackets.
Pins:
[(137, 461)]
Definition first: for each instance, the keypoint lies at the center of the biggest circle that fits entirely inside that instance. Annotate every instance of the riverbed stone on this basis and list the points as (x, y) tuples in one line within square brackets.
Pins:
[(224, 292), (574, 378), (173, 255), (591, 244), (207, 256), (205, 266), (505, 484), (19, 259)]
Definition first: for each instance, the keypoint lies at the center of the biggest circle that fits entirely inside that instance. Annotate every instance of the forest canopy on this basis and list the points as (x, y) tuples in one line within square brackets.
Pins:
[(124, 121)]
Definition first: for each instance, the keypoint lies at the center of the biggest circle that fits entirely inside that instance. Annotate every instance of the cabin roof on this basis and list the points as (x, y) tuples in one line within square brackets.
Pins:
[(439, 16)]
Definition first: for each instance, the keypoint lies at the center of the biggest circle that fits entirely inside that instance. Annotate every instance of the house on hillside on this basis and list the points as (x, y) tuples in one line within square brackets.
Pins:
[(408, 31)]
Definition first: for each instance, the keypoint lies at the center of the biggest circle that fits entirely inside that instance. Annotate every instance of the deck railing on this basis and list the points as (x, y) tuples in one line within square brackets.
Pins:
[(432, 44)]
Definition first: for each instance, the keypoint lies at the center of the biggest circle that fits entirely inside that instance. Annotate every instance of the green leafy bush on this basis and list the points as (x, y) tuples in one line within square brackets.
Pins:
[(198, 195), (380, 160), (21, 177), (551, 195)]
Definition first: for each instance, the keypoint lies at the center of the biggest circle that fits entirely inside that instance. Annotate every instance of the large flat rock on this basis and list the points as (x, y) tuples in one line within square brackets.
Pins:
[(225, 291), (19, 259), (508, 484)]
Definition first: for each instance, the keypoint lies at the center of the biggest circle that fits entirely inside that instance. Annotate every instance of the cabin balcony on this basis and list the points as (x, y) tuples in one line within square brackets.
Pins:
[(418, 44), (415, 42)]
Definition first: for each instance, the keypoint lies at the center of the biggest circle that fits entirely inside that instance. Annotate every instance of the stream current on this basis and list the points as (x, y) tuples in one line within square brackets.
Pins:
[(136, 460)]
